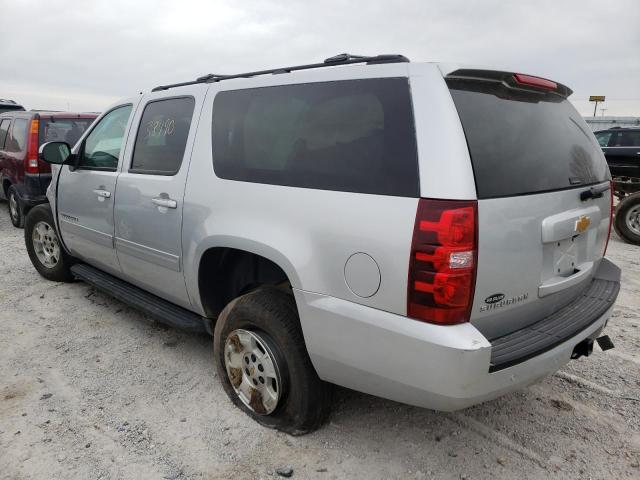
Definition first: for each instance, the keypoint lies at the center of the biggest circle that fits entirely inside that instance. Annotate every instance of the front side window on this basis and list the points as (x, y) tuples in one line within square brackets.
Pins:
[(603, 138), (17, 139), (352, 136), (101, 149), (162, 136)]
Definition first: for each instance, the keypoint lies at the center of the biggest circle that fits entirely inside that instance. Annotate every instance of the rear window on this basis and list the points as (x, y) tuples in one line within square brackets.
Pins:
[(63, 129), (525, 142), (352, 136)]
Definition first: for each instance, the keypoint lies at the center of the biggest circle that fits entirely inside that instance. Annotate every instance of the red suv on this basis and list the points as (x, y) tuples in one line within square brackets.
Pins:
[(23, 177)]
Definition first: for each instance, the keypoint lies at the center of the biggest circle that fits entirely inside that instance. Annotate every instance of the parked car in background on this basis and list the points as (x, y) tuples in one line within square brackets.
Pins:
[(23, 177), (362, 225), (9, 106), (621, 147)]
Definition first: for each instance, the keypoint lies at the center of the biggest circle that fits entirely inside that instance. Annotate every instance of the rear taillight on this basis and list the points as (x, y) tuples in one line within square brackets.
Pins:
[(442, 267), (31, 162), (532, 81), (611, 213)]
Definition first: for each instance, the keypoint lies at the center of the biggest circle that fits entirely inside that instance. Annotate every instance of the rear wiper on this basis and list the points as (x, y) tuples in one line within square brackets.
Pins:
[(594, 192)]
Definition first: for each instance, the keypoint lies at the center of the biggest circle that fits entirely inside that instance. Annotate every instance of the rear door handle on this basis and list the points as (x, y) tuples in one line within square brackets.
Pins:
[(165, 202), (102, 193)]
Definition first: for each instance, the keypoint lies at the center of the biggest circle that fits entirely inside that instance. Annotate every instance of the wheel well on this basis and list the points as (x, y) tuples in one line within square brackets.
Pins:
[(225, 273)]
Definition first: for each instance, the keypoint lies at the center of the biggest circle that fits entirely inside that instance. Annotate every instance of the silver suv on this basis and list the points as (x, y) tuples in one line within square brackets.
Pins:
[(426, 233)]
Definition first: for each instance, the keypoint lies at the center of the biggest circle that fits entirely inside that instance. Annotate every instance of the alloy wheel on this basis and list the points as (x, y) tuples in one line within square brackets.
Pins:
[(45, 244), (253, 370)]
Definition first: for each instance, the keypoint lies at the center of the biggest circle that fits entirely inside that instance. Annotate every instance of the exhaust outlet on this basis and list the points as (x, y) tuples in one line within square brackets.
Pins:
[(584, 348)]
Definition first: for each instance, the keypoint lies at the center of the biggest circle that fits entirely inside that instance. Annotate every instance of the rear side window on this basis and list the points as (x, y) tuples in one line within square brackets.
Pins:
[(627, 139), (17, 138), (525, 142), (4, 130), (353, 136), (162, 136), (63, 129)]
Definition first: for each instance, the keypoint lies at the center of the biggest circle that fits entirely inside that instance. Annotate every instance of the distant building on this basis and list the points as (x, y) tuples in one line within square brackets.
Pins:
[(603, 123)]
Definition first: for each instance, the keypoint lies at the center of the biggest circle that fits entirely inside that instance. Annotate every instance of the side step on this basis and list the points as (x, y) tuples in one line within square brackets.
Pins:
[(160, 309)]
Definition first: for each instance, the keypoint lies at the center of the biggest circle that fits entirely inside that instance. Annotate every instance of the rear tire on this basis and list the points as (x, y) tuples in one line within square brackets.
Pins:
[(15, 210), (627, 219), (43, 245), (297, 401)]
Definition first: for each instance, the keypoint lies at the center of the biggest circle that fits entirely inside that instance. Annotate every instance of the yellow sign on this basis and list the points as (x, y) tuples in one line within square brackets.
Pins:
[(582, 223), (596, 98)]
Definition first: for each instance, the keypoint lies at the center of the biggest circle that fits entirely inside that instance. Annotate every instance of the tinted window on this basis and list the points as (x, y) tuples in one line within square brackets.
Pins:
[(17, 139), (4, 129), (63, 129), (101, 150), (10, 108), (524, 142), (628, 139), (162, 136), (353, 136), (603, 138)]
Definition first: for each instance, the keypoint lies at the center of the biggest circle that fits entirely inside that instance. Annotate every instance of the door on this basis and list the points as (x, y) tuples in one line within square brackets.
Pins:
[(86, 192), (149, 200)]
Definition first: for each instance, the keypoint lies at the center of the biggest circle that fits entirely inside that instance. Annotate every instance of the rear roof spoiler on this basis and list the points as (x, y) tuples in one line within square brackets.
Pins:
[(513, 80)]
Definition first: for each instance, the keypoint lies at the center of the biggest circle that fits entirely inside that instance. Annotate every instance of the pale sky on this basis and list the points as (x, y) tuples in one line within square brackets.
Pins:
[(84, 55)]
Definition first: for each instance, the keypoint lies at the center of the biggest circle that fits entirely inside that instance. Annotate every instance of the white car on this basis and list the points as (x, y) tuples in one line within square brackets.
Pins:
[(426, 233)]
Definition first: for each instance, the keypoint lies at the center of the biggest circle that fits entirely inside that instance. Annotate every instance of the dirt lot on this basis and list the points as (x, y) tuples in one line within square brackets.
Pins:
[(90, 389)]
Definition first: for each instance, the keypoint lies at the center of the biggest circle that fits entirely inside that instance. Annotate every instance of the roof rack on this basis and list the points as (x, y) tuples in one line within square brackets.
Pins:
[(341, 59)]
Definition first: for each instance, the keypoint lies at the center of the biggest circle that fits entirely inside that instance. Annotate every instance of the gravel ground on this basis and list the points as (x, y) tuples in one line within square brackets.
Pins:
[(91, 389)]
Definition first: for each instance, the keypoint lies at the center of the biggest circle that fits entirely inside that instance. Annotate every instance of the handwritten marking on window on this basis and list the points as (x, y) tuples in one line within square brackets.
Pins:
[(161, 128)]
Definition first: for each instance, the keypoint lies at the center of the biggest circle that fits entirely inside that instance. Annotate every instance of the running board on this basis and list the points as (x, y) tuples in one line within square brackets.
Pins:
[(162, 310)]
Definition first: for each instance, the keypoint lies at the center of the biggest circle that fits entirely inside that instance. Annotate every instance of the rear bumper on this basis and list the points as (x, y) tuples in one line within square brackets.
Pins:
[(439, 367)]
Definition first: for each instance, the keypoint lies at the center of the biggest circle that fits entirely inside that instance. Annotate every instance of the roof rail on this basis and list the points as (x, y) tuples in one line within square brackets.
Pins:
[(341, 59)]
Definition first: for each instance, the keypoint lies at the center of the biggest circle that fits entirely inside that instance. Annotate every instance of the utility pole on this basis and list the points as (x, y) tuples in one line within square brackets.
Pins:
[(602, 110), (597, 99)]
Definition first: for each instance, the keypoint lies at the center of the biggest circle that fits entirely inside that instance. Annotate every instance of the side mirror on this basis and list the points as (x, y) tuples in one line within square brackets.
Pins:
[(55, 153)]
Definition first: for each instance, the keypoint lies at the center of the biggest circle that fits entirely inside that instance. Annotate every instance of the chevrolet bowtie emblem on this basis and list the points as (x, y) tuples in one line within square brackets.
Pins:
[(582, 223)]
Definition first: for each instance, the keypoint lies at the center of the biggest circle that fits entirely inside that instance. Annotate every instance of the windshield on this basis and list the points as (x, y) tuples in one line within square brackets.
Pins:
[(525, 142), (63, 129)]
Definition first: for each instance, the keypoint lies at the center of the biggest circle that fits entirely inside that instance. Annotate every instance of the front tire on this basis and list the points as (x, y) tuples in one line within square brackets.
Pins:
[(15, 211), (43, 245), (627, 220), (262, 362)]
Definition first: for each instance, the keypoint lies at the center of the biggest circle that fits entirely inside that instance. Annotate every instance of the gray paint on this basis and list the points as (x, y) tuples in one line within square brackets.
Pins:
[(354, 339)]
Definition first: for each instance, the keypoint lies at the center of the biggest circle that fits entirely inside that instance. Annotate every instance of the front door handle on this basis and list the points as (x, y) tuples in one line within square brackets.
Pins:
[(102, 193), (165, 202)]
